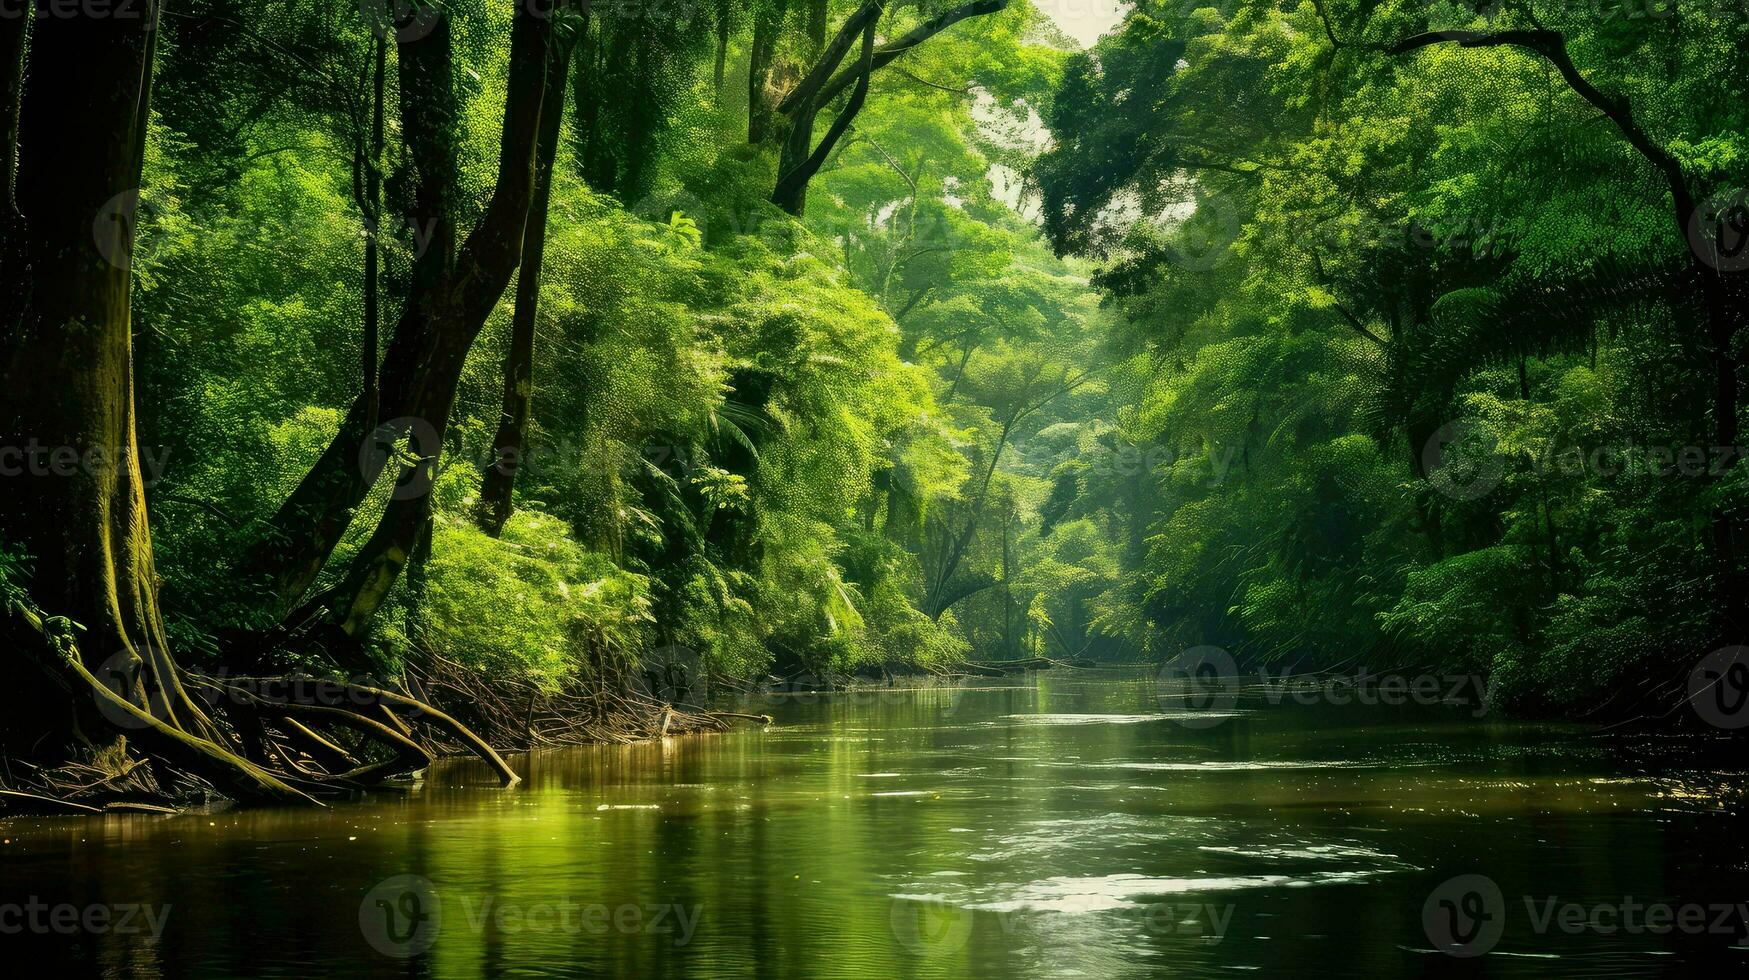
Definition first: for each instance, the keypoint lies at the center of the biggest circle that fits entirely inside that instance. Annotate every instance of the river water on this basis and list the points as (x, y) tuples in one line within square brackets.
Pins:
[(1073, 824)]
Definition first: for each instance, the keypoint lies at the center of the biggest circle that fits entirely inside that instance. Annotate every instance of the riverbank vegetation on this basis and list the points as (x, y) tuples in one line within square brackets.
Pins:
[(543, 366), (1459, 292)]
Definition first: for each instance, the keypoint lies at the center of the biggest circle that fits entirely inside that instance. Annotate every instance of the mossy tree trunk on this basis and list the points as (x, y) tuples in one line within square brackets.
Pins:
[(286, 559), (768, 20), (79, 513), (86, 660)]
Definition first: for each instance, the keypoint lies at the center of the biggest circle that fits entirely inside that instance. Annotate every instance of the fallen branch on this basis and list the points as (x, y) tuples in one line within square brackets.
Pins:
[(761, 719), (38, 803)]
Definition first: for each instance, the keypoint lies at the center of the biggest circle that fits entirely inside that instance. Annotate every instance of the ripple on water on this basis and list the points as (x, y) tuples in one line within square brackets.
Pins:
[(1305, 852), (1091, 719), (1247, 766), (1065, 893)]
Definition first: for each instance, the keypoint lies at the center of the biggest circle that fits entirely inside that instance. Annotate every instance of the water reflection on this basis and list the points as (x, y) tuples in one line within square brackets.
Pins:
[(1074, 824)]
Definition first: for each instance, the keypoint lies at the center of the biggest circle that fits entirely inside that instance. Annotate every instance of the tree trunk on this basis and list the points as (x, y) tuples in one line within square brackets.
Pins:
[(592, 84), (298, 539), (499, 480), (69, 373), (14, 32), (817, 10), (372, 206), (1007, 585), (638, 148), (801, 159), (724, 24), (85, 652), (1724, 308), (1724, 319), (452, 294), (482, 272), (767, 25), (937, 600)]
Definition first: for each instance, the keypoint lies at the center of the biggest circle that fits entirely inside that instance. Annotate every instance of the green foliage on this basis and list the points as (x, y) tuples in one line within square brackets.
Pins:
[(1356, 274), (1208, 376), (531, 604), (737, 444), (1465, 611)]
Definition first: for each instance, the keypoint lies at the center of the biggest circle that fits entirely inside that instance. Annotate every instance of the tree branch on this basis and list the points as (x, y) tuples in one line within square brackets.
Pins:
[(1552, 45), (969, 90), (1329, 32), (807, 90), (790, 185), (887, 53), (910, 181), (911, 304), (1353, 321)]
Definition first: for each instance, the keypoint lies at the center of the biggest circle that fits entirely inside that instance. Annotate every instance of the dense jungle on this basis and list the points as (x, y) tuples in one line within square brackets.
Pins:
[(393, 381)]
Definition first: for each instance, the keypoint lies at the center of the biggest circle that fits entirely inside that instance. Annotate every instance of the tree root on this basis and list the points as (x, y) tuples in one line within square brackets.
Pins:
[(326, 753), (761, 719), (295, 738), (523, 716), (37, 803), (266, 756), (360, 707), (232, 774)]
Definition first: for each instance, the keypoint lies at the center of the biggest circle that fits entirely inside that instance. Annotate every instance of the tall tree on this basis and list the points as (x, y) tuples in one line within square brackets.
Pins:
[(87, 619), (453, 290), (457, 309), (1725, 297), (499, 480), (768, 17)]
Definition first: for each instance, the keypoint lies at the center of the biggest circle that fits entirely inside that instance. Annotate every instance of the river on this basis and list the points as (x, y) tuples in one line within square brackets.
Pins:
[(1066, 823)]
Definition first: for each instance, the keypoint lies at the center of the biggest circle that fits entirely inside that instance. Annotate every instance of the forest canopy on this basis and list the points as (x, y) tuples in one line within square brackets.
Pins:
[(541, 367)]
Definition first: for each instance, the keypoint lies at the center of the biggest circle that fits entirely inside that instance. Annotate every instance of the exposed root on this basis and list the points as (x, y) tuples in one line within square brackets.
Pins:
[(251, 740), (292, 739), (761, 719), (231, 773), (106, 779), (326, 753), (383, 715), (522, 716)]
